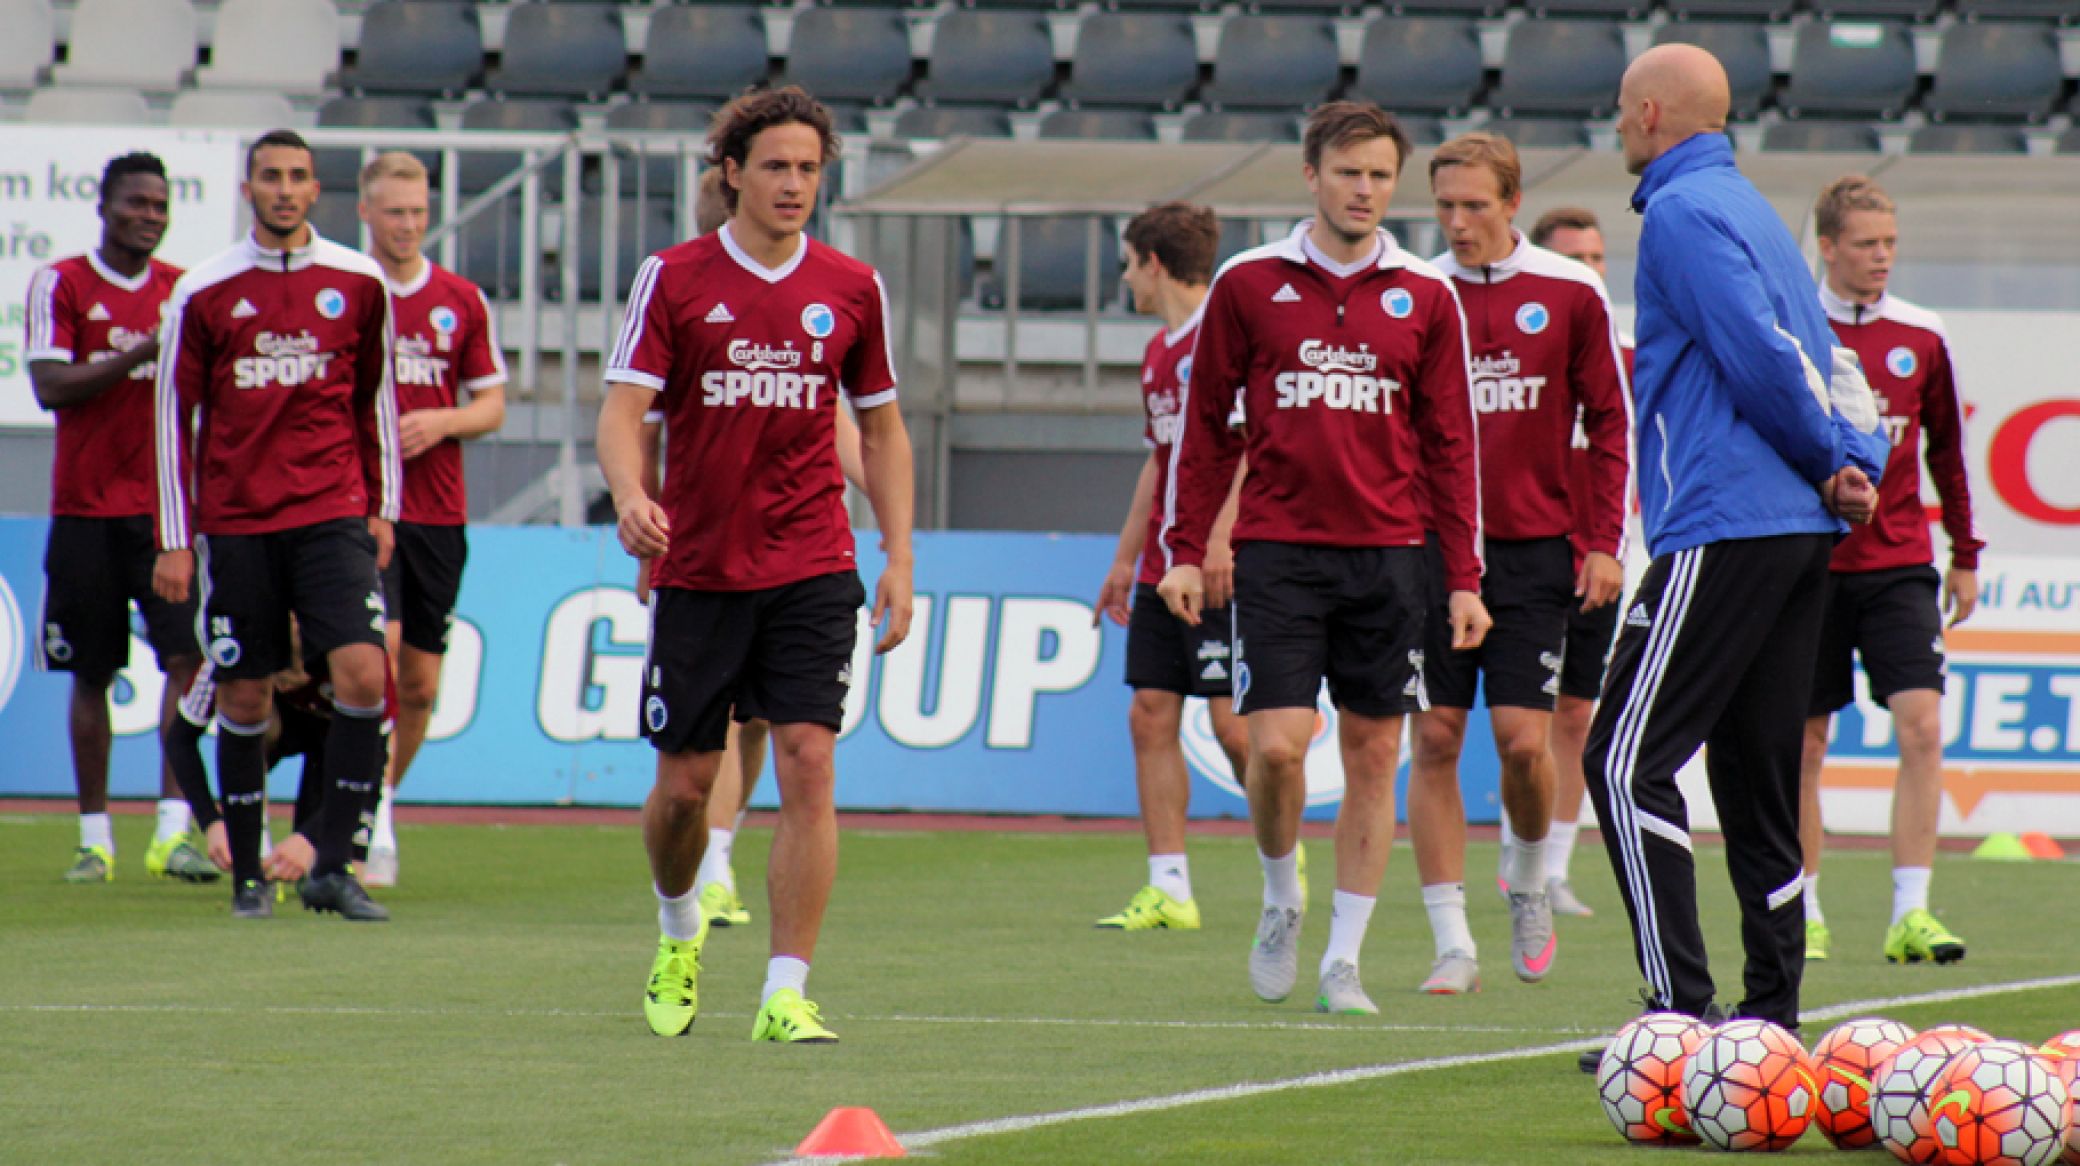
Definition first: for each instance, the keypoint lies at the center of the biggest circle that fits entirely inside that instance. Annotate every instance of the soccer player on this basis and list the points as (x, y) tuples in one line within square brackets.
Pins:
[(1350, 357), (281, 344), (1169, 252), (451, 380), (1882, 585), (93, 335), (744, 338), (1544, 351), (1575, 233), (1752, 451)]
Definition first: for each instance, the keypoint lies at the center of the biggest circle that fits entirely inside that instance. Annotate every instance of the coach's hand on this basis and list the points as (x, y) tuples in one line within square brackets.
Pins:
[(1960, 594), (1850, 494), (1116, 594), (1600, 580), (172, 573), (1470, 621), (1184, 592), (1219, 572), (385, 535), (645, 530), (894, 597)]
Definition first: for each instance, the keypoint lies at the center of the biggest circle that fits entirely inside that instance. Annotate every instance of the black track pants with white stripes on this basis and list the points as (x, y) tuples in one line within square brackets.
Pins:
[(1716, 649)]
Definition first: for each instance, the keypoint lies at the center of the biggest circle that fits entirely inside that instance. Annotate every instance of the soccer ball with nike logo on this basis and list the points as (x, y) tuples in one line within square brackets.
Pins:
[(1844, 1064), (1899, 1098), (1640, 1079), (1998, 1104), (1750, 1086)]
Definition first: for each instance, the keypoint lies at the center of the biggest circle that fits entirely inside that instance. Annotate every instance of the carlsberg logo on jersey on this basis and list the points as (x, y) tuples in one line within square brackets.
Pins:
[(1498, 387), (1163, 420), (121, 340), (1336, 378), (763, 378), (283, 360), (416, 365)]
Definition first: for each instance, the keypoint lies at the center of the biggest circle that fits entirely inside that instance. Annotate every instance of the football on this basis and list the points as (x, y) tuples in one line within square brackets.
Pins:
[(1750, 1086), (1844, 1064), (1899, 1094), (1998, 1104), (1640, 1079)]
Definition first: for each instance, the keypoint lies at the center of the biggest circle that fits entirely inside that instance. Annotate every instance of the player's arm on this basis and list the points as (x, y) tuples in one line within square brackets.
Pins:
[(482, 381), (1203, 459), (59, 382), (628, 460), (885, 460), (1116, 594), (1441, 408), (849, 461), (375, 389), (1942, 421), (177, 390), (1219, 567), (1598, 374), (652, 440)]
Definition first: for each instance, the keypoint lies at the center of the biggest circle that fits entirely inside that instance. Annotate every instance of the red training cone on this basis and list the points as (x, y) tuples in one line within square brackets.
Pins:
[(2042, 845), (850, 1131)]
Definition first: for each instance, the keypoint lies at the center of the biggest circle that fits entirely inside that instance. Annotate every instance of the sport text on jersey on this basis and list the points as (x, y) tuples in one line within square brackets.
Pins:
[(1895, 424), (417, 366), (1336, 378), (1499, 387), (284, 360), (765, 378)]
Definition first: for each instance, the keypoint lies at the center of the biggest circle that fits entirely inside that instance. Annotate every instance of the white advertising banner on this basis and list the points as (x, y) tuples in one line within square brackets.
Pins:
[(50, 192)]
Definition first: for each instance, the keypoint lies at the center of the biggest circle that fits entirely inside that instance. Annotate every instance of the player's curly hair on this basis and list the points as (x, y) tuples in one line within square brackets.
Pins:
[(1845, 196), (1183, 236), (735, 124), (124, 165)]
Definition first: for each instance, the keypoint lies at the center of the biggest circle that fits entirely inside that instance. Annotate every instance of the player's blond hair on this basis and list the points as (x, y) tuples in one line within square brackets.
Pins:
[(1845, 196), (1482, 149), (393, 164)]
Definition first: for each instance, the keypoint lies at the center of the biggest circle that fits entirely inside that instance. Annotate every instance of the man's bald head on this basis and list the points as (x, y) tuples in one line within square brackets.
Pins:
[(1670, 93)]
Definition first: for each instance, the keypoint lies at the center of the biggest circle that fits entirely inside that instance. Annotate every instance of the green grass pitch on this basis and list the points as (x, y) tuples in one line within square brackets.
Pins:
[(497, 1020)]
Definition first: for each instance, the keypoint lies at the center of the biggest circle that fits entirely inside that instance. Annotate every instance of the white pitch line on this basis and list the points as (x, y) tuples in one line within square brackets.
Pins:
[(1010, 1125)]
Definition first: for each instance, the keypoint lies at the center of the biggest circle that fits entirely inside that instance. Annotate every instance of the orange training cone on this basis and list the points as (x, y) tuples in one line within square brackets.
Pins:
[(850, 1131), (2042, 845)]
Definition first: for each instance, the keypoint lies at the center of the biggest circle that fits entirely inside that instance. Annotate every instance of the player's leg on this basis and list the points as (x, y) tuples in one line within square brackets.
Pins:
[(1812, 831), (1522, 742), (1158, 672), (1568, 737), (715, 882), (1833, 689), (244, 629), (88, 728), (85, 630), (1437, 833), (170, 630)]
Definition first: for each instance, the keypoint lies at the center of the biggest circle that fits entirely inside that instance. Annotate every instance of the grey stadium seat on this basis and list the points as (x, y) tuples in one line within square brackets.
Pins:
[(953, 122), (1744, 9), (289, 46), (1823, 137), (30, 44), (1856, 69), (2069, 141), (683, 119), (340, 169), (417, 46), (203, 107), (1242, 127), (62, 105), (990, 56), (1051, 257), (701, 51), (337, 217), (1431, 64), (657, 221), (1741, 46), (1273, 62), (1423, 131), (490, 250), (1561, 66), (1133, 59), (1465, 9), (843, 54), (1968, 139), (144, 44), (481, 168), (1614, 9), (1116, 124), (1995, 69), (566, 50), (1538, 133), (2062, 11), (1876, 9)]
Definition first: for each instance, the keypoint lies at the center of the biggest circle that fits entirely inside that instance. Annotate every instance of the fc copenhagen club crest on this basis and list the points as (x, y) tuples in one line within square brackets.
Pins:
[(1532, 319), (1900, 362), (818, 321), (442, 319), (332, 303), (1396, 302)]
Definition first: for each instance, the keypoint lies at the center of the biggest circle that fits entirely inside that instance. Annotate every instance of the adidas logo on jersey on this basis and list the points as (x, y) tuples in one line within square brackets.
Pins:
[(97, 312), (1285, 295), (245, 310), (1639, 617), (719, 314)]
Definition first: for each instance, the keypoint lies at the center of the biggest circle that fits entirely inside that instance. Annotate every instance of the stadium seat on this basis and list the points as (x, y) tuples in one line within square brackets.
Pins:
[(2069, 141), (701, 51), (683, 120), (1995, 69), (1748, 9), (656, 219), (141, 44), (340, 169), (1005, 57), (1854, 69), (61, 105), (1242, 127), (30, 44), (1273, 62), (1876, 9), (2062, 11), (490, 249), (567, 50), (1133, 59), (1821, 137), (1051, 257), (1741, 46), (842, 54), (1539, 133), (417, 46), (481, 168), (1482, 9), (1119, 124), (1968, 139), (1423, 131), (337, 216), (1561, 67), (288, 46), (259, 111), (1614, 9), (1432, 64), (933, 122)]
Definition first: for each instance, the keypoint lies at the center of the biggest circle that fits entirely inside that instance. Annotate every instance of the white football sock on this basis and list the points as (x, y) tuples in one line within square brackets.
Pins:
[(173, 820), (385, 836), (1909, 890), (1509, 847), (94, 830), (1172, 875), (1445, 903), (1560, 848), (1282, 880), (784, 971), (1812, 894), (715, 862), (679, 918), (1527, 868), (1348, 918)]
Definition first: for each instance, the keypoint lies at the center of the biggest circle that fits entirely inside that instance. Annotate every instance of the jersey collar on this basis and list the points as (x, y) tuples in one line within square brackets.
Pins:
[(1843, 311), (127, 283), (288, 259), (1295, 247), (745, 261), (1173, 337), (1501, 269), (414, 285)]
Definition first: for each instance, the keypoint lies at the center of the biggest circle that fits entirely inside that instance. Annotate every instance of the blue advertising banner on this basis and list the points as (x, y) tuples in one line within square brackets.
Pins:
[(1005, 699)]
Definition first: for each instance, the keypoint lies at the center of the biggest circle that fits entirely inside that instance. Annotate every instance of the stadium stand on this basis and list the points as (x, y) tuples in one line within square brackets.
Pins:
[(1286, 62), (1746, 9), (569, 50), (1996, 69), (433, 47), (1120, 124), (341, 169), (1052, 257), (2064, 12), (1537, 133), (645, 227), (1741, 46), (291, 47), (1485, 9), (953, 121), (701, 51), (1424, 64), (1132, 58), (990, 56), (31, 44), (1821, 137), (848, 55), (260, 111), (1569, 67), (1968, 139), (139, 44), (1217, 126), (481, 168), (1850, 69), (1423, 131), (1917, 10), (1617, 9), (64, 105)]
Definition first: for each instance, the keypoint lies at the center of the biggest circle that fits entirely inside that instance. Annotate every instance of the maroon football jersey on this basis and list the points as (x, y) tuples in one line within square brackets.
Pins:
[(747, 362), (1541, 342), (1581, 474), (1906, 358), (1352, 386), (285, 357), (1166, 366), (81, 311), (447, 349)]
